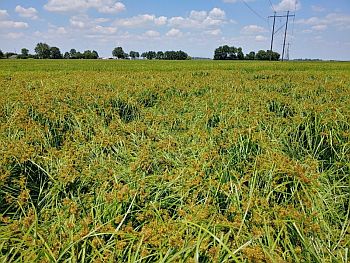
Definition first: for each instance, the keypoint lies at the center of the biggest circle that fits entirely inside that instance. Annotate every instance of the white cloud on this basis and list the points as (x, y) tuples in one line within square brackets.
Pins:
[(151, 34), (105, 30), (3, 14), (260, 38), (79, 21), (141, 21), (86, 25), (340, 21), (317, 8), (319, 27), (102, 20), (174, 33), (200, 19), (14, 35), (287, 5), (102, 6), (113, 9), (215, 32), (30, 12), (217, 13), (61, 30), (307, 31), (253, 29), (13, 24), (159, 21), (57, 30), (198, 15)]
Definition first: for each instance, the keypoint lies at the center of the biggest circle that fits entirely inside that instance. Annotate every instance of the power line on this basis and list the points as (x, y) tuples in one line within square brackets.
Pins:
[(295, 10), (251, 9), (272, 6), (285, 34), (274, 32)]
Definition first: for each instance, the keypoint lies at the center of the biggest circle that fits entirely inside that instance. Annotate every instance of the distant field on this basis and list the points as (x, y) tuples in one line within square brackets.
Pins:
[(192, 161)]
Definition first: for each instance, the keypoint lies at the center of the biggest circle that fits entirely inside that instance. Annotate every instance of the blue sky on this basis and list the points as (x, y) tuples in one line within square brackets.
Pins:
[(321, 29)]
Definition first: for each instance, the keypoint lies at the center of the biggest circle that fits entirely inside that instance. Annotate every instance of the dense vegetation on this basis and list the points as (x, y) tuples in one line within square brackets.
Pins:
[(232, 53), (143, 161)]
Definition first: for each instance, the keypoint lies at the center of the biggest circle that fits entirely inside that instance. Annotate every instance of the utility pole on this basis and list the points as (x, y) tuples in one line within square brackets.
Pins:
[(273, 33), (287, 56), (285, 32), (285, 35)]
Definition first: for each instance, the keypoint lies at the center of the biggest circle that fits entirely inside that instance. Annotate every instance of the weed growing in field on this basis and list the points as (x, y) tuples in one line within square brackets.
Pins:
[(174, 162)]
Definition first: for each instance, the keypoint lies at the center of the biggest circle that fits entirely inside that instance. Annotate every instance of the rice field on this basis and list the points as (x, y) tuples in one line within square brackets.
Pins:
[(168, 161)]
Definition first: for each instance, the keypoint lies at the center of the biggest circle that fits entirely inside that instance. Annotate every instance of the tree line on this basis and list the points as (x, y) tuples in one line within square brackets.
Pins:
[(232, 53), (119, 53), (44, 51)]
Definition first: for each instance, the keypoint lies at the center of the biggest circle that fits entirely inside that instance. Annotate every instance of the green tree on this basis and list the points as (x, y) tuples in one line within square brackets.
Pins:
[(226, 53), (95, 54), (119, 53), (274, 55), (134, 54), (160, 55), (151, 55), (231, 52), (181, 55), (66, 55), (79, 55), (88, 54), (24, 53), (1, 54), (42, 50), (73, 53), (250, 56), (219, 54), (240, 54), (170, 55), (55, 53), (261, 55), (265, 55), (10, 54)]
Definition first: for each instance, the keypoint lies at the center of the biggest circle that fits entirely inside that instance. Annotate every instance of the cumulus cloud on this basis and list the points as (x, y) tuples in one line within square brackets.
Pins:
[(319, 27), (287, 5), (114, 8), (102, 6), (87, 25), (14, 35), (3, 14), (151, 34), (260, 38), (215, 32), (253, 29), (30, 12), (217, 13), (106, 30), (79, 21), (141, 21), (7, 24), (199, 19), (174, 33), (317, 8), (53, 30), (340, 21)]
